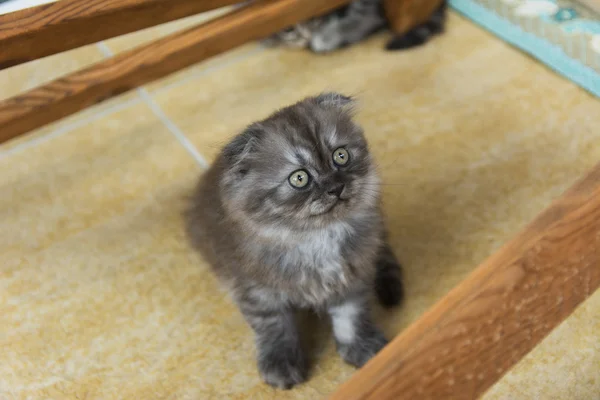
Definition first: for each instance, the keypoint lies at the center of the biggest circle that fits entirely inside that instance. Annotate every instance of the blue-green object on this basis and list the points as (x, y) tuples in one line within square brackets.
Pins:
[(566, 40), (565, 14)]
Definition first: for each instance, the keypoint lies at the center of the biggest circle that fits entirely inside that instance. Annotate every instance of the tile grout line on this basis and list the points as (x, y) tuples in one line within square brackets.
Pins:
[(105, 50), (172, 127), (160, 114)]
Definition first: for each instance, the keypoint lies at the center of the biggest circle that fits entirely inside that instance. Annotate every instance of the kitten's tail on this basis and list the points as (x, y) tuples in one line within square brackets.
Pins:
[(421, 33)]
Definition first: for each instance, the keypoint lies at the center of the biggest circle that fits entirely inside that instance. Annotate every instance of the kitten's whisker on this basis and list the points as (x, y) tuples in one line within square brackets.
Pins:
[(394, 184), (387, 165)]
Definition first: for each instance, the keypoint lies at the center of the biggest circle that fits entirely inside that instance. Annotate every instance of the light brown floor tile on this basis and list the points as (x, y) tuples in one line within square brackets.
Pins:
[(473, 140), (204, 68), (91, 248), (70, 123), (20, 78), (98, 171)]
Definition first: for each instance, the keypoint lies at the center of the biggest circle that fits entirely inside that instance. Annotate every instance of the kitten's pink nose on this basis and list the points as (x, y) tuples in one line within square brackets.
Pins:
[(336, 190)]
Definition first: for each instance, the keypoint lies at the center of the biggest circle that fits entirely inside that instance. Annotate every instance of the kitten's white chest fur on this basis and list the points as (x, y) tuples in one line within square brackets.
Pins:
[(315, 259), (321, 267), (323, 249)]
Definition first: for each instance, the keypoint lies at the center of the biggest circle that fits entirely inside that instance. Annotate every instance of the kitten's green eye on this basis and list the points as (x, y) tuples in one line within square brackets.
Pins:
[(299, 179), (341, 157)]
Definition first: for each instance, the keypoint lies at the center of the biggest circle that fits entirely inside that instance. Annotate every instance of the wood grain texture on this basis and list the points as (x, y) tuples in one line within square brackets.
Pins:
[(492, 319), (40, 31), (136, 67), (403, 15)]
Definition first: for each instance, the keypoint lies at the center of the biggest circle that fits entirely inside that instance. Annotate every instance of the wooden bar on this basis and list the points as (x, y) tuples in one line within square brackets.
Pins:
[(37, 32), (136, 67), (486, 324)]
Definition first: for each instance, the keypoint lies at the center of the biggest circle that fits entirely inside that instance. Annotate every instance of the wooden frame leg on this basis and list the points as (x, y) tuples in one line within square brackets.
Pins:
[(493, 318), (403, 15)]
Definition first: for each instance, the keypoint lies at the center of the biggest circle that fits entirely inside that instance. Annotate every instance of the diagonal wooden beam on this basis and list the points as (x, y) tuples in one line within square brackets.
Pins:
[(136, 67), (492, 319), (37, 32)]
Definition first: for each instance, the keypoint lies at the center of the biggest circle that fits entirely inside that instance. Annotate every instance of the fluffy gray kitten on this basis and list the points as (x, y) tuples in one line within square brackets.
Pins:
[(289, 218)]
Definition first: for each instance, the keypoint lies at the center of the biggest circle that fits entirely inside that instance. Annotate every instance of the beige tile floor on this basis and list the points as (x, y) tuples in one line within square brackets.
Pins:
[(100, 297)]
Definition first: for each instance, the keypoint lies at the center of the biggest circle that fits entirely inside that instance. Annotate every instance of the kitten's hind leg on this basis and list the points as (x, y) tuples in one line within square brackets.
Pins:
[(388, 279), (357, 338), (281, 361)]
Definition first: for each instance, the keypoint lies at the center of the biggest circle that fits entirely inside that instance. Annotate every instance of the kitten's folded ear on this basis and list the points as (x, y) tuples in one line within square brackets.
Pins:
[(242, 146), (336, 100)]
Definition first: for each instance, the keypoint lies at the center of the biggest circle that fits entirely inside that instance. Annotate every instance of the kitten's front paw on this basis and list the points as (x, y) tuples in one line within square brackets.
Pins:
[(363, 349), (283, 369)]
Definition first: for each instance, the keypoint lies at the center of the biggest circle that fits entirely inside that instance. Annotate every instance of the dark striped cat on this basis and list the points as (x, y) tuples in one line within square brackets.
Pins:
[(353, 23)]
